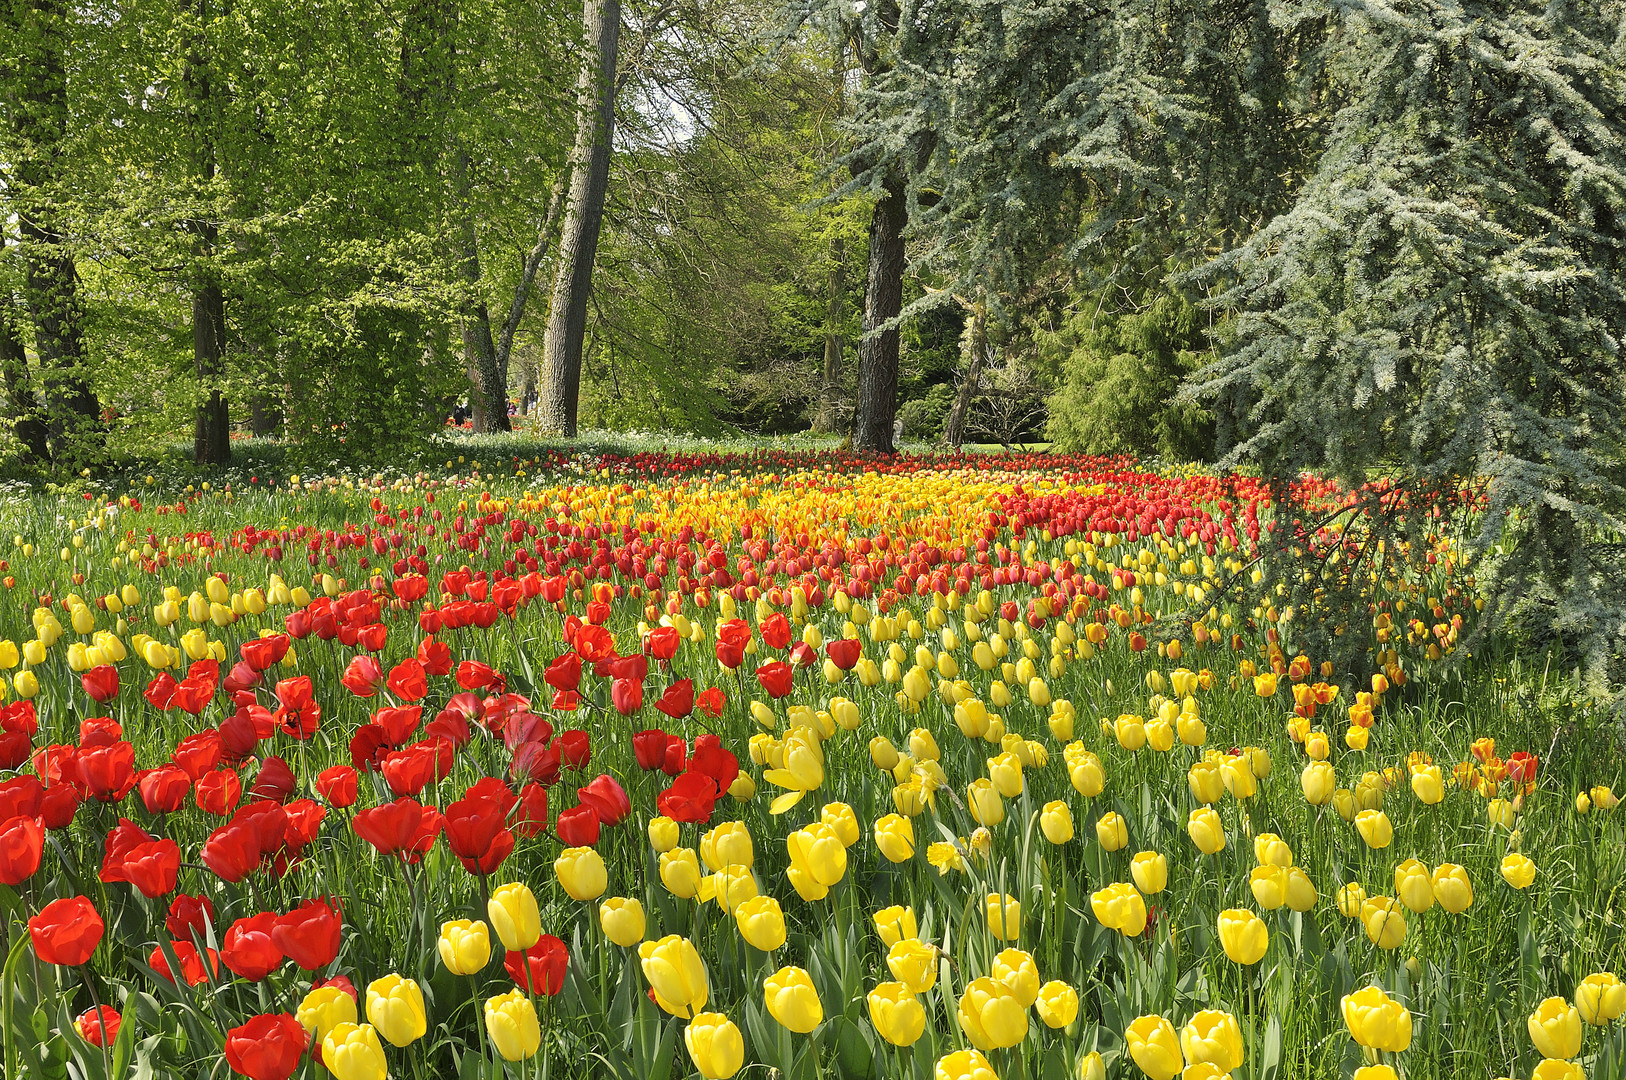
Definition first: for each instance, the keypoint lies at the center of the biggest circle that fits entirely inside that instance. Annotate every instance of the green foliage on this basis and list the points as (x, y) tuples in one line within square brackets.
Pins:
[(1120, 374)]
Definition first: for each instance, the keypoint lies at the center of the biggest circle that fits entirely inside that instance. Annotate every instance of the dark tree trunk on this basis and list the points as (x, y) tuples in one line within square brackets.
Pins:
[(825, 419), (877, 403), (26, 422), (51, 280), (488, 382), (578, 243), (977, 346), (264, 416), (211, 430)]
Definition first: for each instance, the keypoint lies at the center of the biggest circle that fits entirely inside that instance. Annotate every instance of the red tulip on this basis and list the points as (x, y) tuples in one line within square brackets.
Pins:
[(844, 653), (189, 915), (435, 656), (391, 827), (261, 653), (197, 754), (219, 792), (473, 675), (121, 839), (99, 731), (1521, 766), (627, 696), (108, 771), (362, 676), (565, 673), (775, 677), (649, 748), (190, 960), (678, 700), (66, 931), (99, 1026), (574, 749), (775, 630), (163, 790), (399, 723), (578, 826), (541, 968), (161, 691), (22, 845), (337, 785), (475, 829), (248, 948), (275, 782), (662, 642), (20, 797), (101, 682), (268, 1047), (58, 805), (691, 798), (153, 867), (309, 934), (231, 852), (408, 681), (532, 817), (607, 798)]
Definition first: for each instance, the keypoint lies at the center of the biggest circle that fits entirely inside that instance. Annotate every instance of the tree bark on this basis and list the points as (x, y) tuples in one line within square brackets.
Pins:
[(488, 384), (211, 429), (26, 422), (51, 279), (877, 404), (830, 387), (578, 245), (977, 346)]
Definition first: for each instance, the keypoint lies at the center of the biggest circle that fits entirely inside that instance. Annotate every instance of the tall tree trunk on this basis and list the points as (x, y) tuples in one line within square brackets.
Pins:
[(877, 404), (578, 245), (21, 399), (488, 383), (977, 346), (211, 430), (830, 387), (51, 280)]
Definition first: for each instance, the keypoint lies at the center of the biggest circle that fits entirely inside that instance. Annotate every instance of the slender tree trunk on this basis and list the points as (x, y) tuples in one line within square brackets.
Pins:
[(877, 404), (830, 387), (578, 245), (488, 385), (21, 398), (211, 429), (51, 280), (977, 347)]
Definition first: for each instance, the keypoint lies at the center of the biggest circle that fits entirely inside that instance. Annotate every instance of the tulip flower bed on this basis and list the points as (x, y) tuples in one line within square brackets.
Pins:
[(675, 765)]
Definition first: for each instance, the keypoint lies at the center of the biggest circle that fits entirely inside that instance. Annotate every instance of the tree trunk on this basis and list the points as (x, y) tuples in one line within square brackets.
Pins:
[(211, 433), (26, 424), (877, 404), (51, 280), (578, 245), (488, 386), (830, 387), (211, 430), (977, 346)]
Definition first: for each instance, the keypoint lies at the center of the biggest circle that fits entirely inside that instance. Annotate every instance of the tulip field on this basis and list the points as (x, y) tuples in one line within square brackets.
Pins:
[(772, 763)]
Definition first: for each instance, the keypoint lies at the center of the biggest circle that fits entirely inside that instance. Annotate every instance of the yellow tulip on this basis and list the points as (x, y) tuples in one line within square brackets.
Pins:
[(914, 964), (622, 920), (512, 1024), (514, 916), (789, 995), (1374, 828), (1092, 1066), (1518, 871), (1301, 892), (1057, 1004), (895, 837), (1452, 888), (1600, 998), (1428, 785), (1272, 850), (1557, 1069), (465, 946), (1112, 831), (984, 802), (1414, 886), (818, 860), (1206, 830), (1500, 812), (1150, 871), (680, 872), (1376, 1020), (1243, 936), (963, 1065), (1384, 923), (676, 974), (991, 1016), (1119, 907), (1206, 780), (581, 873), (897, 1015), (353, 1052), (1555, 1028), (761, 922), (1318, 781), (728, 844), (1155, 1047), (395, 1007), (1212, 1037), (325, 1008), (1269, 886), (895, 924), (1004, 915)]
